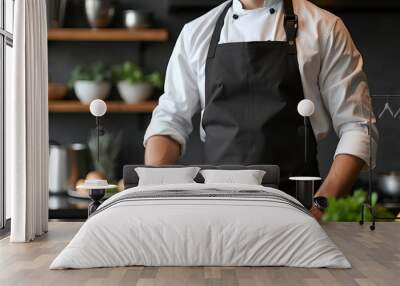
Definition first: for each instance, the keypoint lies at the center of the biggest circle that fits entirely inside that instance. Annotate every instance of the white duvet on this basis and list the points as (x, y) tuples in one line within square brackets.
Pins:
[(202, 231)]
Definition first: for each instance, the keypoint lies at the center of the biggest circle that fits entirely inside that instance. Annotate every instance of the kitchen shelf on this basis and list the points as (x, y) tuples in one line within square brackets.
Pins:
[(74, 106), (116, 35)]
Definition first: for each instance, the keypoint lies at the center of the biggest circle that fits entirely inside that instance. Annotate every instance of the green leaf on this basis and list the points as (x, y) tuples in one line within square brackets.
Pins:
[(132, 73), (349, 208), (93, 72), (155, 80)]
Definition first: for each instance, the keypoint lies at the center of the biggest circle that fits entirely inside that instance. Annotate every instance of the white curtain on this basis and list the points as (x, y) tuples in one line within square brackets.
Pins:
[(27, 123)]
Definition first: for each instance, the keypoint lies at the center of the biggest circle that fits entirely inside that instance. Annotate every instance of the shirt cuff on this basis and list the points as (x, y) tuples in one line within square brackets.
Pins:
[(356, 143), (166, 130)]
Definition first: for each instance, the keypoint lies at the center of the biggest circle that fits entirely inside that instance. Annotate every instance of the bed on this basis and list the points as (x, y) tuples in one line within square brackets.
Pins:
[(199, 224)]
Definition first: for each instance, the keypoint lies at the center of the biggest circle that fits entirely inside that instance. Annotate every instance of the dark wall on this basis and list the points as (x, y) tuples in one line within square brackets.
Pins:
[(63, 56), (375, 32)]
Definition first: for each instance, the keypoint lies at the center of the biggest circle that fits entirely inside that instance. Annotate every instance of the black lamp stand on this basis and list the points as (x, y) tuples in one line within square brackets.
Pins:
[(368, 204), (305, 187), (96, 195), (305, 141)]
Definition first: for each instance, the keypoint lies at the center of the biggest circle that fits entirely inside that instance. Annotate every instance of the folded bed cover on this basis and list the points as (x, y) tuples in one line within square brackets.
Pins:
[(201, 225)]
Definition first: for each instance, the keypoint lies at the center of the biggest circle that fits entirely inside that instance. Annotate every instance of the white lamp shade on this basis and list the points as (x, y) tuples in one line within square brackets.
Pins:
[(98, 107), (306, 108), (96, 185)]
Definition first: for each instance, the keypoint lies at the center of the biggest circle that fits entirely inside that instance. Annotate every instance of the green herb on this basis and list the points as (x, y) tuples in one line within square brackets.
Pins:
[(349, 208), (132, 73), (155, 79), (98, 72)]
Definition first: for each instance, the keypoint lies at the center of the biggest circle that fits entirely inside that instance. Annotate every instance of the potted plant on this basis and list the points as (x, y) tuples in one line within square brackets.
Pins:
[(91, 82), (133, 85), (348, 208)]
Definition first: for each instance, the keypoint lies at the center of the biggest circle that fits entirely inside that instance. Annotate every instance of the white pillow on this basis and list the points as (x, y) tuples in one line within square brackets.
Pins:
[(166, 176), (248, 177)]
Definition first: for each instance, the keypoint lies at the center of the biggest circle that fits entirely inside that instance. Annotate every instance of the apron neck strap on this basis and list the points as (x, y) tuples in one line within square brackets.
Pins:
[(290, 24), (217, 31)]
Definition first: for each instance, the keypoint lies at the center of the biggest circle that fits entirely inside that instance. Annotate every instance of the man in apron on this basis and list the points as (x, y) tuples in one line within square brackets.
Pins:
[(251, 91)]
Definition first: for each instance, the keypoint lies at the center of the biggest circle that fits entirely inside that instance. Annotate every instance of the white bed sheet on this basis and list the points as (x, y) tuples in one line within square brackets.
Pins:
[(200, 232)]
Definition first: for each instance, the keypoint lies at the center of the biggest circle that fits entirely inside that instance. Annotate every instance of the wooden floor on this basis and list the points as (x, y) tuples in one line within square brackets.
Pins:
[(375, 257)]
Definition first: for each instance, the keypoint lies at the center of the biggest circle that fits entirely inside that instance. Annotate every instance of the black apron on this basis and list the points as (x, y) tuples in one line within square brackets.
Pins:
[(252, 91)]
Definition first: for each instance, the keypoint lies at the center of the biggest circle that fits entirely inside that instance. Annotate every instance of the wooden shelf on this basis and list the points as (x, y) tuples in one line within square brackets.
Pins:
[(74, 106), (118, 35)]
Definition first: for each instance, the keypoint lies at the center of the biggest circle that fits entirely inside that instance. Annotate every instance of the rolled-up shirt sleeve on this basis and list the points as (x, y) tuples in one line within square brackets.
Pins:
[(176, 107), (345, 93)]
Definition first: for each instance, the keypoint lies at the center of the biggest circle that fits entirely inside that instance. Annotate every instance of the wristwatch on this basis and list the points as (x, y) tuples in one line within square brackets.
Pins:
[(321, 203)]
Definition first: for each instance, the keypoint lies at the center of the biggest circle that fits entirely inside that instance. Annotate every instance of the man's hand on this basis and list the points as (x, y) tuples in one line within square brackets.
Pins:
[(342, 176), (317, 213), (161, 150)]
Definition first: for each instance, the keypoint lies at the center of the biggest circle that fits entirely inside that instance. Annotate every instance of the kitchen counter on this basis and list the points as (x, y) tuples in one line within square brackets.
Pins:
[(374, 255), (64, 207)]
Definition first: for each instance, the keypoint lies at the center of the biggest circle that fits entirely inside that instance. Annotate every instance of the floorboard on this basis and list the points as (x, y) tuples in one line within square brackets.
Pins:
[(375, 257)]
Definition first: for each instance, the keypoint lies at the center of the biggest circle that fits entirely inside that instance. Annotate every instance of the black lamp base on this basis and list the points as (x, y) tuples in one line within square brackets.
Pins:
[(305, 189), (95, 195), (305, 193)]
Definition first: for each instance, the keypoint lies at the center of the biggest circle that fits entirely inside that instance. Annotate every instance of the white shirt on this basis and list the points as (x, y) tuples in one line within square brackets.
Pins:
[(330, 65)]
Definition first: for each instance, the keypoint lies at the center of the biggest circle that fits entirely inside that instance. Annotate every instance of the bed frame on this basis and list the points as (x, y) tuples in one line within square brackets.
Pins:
[(271, 177)]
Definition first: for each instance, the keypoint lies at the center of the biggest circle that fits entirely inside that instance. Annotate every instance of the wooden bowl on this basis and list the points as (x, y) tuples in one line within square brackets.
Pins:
[(57, 91)]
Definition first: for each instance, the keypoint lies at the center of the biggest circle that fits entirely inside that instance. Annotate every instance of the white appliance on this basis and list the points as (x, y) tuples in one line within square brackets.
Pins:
[(58, 169)]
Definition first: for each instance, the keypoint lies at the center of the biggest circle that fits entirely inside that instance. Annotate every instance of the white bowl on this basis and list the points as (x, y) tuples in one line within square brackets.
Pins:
[(87, 91), (134, 93)]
